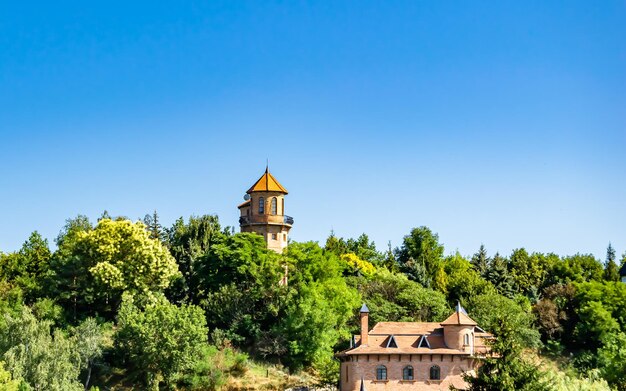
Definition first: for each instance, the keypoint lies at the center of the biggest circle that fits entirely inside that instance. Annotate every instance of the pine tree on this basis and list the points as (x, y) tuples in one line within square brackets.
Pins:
[(499, 276), (154, 226), (611, 272), (480, 261)]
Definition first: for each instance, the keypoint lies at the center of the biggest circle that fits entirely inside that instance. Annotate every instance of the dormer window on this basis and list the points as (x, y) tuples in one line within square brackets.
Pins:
[(391, 342), (261, 205), (423, 343)]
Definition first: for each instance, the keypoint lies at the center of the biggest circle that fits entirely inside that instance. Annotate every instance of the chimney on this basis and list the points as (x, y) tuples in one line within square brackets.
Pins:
[(364, 325)]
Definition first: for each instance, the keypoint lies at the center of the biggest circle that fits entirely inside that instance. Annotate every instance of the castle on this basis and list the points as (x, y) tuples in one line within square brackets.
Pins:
[(263, 212), (393, 356), (397, 356)]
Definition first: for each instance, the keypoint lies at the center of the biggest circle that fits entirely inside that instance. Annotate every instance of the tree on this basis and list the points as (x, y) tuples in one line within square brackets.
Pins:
[(188, 242), (480, 261), (319, 306), (30, 352), (499, 276), (420, 250), (393, 297), (488, 310), (612, 360), (8, 382), (161, 341), (507, 369), (98, 265), (611, 271), (26, 268), (154, 226), (89, 345)]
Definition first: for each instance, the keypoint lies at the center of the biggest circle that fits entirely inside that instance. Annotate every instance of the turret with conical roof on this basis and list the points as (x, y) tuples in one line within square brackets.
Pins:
[(263, 212)]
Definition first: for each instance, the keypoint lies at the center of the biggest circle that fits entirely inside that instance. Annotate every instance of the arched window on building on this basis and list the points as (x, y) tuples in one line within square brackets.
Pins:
[(381, 372), (282, 206), (407, 373), (466, 339), (274, 206), (261, 205), (435, 373)]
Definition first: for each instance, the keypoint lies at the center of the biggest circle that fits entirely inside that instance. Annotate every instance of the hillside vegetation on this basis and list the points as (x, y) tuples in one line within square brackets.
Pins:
[(123, 305)]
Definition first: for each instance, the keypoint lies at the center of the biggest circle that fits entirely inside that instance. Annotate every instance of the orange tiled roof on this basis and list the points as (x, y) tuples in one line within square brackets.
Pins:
[(267, 183), (459, 319)]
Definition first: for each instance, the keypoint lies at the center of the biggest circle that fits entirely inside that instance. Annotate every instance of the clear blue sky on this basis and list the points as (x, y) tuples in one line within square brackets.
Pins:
[(501, 123)]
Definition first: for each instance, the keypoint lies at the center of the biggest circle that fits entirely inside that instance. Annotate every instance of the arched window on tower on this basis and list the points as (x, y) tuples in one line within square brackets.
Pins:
[(274, 206), (282, 206), (466, 339), (261, 205)]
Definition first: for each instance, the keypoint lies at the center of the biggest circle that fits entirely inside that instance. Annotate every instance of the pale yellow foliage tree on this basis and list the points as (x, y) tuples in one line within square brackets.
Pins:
[(127, 259)]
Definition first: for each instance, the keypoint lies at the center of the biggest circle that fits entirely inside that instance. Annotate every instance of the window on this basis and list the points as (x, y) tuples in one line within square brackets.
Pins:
[(285, 237), (466, 339), (391, 342), (274, 205), (407, 373), (435, 373), (282, 206), (261, 206), (274, 236), (381, 372)]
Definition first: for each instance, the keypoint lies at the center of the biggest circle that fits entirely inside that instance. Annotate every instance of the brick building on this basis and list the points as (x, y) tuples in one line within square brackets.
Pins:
[(413, 355), (263, 212)]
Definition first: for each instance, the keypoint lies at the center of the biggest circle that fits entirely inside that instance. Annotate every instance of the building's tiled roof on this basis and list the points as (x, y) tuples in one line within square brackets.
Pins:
[(267, 183), (404, 328), (460, 319), (245, 203), (418, 337)]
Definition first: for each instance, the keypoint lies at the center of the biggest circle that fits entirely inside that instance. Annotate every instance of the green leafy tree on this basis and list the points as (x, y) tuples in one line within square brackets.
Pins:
[(319, 306), (612, 360), (30, 352), (161, 341), (507, 369), (420, 251), (393, 297), (26, 268), (488, 310), (576, 268), (463, 281), (8, 382), (188, 242), (89, 338)]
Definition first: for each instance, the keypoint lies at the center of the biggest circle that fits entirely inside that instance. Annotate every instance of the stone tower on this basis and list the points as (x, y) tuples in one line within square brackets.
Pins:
[(263, 212)]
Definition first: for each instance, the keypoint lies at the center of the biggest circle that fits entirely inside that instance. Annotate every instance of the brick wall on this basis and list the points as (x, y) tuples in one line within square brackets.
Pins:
[(451, 367)]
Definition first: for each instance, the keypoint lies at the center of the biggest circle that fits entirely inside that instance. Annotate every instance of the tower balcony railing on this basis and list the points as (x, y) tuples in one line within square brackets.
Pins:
[(271, 219)]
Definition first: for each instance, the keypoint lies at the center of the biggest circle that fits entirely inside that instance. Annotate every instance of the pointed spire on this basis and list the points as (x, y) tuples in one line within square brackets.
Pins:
[(364, 308), (459, 308)]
